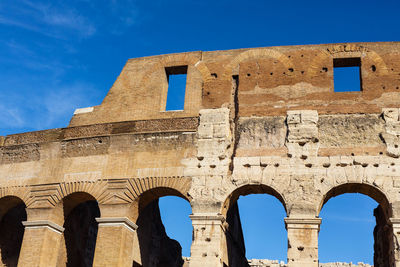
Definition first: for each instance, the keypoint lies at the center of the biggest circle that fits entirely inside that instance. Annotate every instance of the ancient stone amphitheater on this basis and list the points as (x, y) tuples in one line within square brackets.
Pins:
[(255, 121)]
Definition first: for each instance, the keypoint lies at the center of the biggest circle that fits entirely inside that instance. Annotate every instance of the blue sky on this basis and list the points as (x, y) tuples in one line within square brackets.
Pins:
[(56, 56)]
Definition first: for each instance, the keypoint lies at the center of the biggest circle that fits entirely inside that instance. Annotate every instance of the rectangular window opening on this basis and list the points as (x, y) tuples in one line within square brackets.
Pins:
[(176, 78), (347, 74)]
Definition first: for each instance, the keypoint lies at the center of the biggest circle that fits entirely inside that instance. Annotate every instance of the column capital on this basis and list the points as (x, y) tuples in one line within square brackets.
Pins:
[(207, 217), (303, 223), (117, 221), (44, 224)]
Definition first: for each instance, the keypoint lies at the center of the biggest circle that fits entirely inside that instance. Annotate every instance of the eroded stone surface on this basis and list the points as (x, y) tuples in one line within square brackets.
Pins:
[(261, 120)]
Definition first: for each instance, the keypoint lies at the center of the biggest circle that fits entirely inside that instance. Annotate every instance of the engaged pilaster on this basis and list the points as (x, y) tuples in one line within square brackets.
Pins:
[(214, 145), (41, 243), (302, 241), (207, 238), (116, 239)]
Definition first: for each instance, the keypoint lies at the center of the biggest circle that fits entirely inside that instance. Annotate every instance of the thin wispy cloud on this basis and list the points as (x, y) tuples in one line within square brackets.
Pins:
[(18, 48), (51, 109), (40, 57), (11, 117), (46, 19)]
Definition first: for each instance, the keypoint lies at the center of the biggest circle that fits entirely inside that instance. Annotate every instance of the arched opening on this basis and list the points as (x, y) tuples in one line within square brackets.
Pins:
[(163, 220), (12, 214), (80, 213), (355, 226), (256, 230)]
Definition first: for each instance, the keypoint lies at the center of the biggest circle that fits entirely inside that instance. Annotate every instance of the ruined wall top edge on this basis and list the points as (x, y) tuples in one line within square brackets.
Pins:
[(262, 81)]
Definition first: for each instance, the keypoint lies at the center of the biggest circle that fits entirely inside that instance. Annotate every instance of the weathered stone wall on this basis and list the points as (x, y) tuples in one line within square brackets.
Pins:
[(255, 121), (271, 81), (266, 263)]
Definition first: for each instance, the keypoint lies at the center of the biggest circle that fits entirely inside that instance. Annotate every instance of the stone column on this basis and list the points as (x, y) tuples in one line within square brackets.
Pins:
[(207, 242), (396, 239), (302, 241), (41, 243), (115, 242)]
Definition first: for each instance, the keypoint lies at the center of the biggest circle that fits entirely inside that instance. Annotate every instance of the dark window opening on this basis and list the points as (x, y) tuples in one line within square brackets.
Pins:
[(347, 74), (176, 77)]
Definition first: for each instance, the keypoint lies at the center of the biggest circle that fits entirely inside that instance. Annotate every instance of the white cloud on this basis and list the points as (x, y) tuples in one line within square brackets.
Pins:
[(11, 117), (51, 109), (63, 19), (59, 104), (69, 19), (48, 20)]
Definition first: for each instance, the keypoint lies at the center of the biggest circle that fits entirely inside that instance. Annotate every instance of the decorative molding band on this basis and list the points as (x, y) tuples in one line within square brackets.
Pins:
[(395, 222), (303, 223), (117, 221), (202, 218), (40, 224)]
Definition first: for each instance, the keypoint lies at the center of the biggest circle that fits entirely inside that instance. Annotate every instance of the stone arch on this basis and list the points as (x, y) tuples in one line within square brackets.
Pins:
[(255, 53), (234, 253), (247, 189), (8, 202), (363, 188), (19, 192), (12, 214), (74, 199), (80, 212), (380, 64), (138, 187), (383, 231), (156, 193), (315, 65), (142, 191), (97, 190)]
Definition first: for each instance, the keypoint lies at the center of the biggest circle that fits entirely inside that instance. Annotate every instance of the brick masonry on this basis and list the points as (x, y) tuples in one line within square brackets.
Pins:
[(260, 120)]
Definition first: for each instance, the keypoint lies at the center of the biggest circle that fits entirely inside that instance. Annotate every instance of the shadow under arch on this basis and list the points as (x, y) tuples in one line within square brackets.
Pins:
[(235, 247), (80, 212), (12, 214), (156, 248), (383, 231)]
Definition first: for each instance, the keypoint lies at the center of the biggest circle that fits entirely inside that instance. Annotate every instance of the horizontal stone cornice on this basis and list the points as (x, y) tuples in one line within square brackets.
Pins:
[(117, 221), (43, 224)]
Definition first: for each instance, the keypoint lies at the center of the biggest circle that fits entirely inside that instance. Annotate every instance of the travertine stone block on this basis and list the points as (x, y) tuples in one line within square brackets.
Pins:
[(303, 241), (392, 134), (208, 234), (302, 139)]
